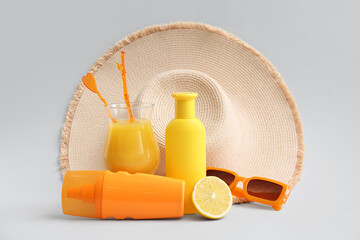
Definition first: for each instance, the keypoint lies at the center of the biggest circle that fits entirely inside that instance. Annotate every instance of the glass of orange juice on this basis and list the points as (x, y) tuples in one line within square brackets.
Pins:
[(131, 146)]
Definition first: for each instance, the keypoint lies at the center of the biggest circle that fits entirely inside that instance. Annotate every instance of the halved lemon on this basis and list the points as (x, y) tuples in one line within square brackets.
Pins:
[(212, 197)]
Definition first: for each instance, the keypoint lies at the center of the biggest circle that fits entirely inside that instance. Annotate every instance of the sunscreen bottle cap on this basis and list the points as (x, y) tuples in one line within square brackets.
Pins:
[(82, 193)]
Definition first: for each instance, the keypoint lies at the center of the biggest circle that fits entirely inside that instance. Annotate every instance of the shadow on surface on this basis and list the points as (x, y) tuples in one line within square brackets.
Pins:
[(254, 205), (190, 217)]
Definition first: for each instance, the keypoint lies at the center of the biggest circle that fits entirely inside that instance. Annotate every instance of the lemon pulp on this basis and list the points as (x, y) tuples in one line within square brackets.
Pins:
[(212, 197)]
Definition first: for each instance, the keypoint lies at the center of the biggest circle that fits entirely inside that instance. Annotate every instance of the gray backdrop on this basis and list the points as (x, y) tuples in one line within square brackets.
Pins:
[(46, 47)]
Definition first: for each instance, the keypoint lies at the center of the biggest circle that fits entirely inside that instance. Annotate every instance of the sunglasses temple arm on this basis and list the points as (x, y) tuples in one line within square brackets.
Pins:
[(238, 192)]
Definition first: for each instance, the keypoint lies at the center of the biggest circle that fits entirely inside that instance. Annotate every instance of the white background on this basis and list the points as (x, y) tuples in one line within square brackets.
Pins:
[(46, 47)]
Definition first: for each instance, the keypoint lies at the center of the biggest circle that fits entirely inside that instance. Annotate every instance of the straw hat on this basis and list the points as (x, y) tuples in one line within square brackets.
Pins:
[(251, 120)]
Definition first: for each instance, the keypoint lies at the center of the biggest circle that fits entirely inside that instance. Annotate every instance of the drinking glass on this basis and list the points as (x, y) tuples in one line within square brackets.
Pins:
[(131, 146)]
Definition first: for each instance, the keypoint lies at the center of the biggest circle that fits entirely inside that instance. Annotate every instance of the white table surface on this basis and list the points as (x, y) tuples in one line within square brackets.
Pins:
[(47, 46)]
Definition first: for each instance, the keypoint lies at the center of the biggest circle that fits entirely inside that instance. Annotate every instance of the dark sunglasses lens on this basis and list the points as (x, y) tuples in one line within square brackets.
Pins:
[(264, 189), (228, 178)]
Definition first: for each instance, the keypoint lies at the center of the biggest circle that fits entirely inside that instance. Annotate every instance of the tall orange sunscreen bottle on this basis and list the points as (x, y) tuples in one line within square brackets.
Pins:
[(185, 146), (104, 194)]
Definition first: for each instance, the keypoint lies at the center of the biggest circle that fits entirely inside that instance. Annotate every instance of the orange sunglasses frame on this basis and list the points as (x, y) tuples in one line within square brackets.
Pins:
[(242, 192)]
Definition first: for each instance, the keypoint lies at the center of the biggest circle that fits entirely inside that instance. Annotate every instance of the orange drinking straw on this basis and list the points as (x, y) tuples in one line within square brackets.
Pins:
[(90, 83), (121, 67)]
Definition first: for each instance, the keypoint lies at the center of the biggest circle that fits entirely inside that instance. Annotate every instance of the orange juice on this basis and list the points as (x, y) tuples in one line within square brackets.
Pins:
[(131, 147)]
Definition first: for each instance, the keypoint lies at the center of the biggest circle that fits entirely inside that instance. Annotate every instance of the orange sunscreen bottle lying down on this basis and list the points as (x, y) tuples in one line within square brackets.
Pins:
[(104, 194)]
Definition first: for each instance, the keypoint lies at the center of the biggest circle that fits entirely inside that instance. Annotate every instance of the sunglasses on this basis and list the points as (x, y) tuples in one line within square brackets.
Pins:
[(257, 189)]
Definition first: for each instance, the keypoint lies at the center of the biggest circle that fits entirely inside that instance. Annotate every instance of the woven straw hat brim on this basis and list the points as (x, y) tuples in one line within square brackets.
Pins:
[(252, 122)]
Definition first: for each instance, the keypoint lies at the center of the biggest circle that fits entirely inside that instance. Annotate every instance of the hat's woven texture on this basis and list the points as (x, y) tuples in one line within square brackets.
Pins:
[(252, 123)]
